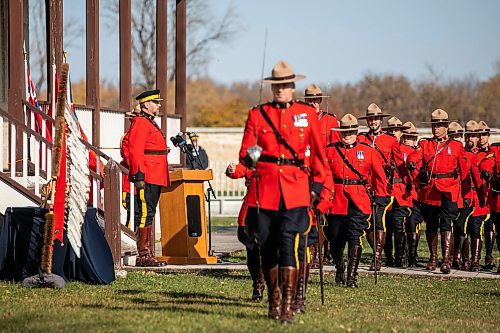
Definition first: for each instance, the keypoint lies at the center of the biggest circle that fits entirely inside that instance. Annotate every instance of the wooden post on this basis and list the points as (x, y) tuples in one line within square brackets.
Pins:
[(16, 75), (125, 57), (112, 220), (54, 30), (180, 62), (92, 87), (161, 58)]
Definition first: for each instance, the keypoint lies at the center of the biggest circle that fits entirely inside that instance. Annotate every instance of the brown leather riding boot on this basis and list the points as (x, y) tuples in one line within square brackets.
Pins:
[(144, 245), (273, 293), (300, 299), (338, 260), (445, 250), (377, 263), (489, 241), (388, 249), (369, 238), (412, 249), (258, 283), (465, 266), (476, 245), (289, 276), (458, 243), (432, 242), (354, 252), (399, 244)]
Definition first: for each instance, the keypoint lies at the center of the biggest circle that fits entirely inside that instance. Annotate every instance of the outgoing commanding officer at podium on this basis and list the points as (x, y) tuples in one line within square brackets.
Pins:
[(148, 170), (287, 131)]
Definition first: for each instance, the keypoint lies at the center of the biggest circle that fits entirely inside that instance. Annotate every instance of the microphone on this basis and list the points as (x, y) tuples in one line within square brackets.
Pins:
[(178, 140), (186, 133)]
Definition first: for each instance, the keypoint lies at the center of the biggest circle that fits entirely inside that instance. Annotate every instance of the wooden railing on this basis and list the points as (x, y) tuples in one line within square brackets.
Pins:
[(29, 166)]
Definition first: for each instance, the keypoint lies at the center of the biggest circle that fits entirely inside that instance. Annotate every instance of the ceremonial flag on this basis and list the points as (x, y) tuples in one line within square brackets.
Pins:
[(33, 100)]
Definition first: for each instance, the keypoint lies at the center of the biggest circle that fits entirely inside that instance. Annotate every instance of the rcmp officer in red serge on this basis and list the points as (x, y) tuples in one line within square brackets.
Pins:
[(284, 130), (148, 170), (402, 203), (439, 165), (357, 170), (489, 168), (327, 122), (408, 146), (481, 216), (384, 144)]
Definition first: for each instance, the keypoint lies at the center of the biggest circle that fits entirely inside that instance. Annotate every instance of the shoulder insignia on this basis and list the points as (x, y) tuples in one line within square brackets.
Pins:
[(489, 155), (364, 144), (496, 144)]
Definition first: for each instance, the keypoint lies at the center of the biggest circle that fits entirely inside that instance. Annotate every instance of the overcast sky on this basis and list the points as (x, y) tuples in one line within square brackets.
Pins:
[(340, 41)]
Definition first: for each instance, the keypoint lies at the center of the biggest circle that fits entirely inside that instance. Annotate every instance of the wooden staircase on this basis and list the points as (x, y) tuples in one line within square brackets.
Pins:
[(25, 165)]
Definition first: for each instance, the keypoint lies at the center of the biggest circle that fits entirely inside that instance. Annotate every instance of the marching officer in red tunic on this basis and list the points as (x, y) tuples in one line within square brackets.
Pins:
[(327, 122), (281, 132), (235, 171), (439, 165), (481, 216), (384, 144), (489, 167), (400, 208), (408, 145), (357, 171), (466, 206), (148, 170)]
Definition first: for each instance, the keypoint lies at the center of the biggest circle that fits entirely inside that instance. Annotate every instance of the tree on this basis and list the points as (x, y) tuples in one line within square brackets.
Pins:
[(204, 31)]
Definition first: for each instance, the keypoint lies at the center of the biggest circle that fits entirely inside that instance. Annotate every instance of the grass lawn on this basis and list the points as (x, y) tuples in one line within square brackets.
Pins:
[(218, 302), (224, 221)]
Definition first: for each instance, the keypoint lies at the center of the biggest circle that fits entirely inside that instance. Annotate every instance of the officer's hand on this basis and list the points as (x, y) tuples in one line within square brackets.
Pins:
[(314, 199), (486, 175), (411, 166), (231, 168), (140, 184)]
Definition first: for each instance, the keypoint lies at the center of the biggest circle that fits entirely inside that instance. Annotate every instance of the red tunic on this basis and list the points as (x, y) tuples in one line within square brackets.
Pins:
[(147, 152), (449, 160), (401, 177), (468, 186), (366, 161), (240, 172), (405, 152), (298, 123), (386, 143), (327, 122), (491, 163), (482, 191)]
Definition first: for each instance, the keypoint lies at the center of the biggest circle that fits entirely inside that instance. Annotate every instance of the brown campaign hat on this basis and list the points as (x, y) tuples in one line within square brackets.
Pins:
[(347, 123), (455, 128), (313, 91), (394, 123), (374, 111), (411, 130), (472, 127), (483, 127), (438, 116), (283, 73)]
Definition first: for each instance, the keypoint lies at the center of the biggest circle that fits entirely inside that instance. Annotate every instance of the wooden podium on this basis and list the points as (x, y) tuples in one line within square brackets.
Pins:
[(183, 220)]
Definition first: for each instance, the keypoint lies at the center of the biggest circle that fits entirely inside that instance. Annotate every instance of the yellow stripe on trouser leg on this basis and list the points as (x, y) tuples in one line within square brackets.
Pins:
[(308, 254), (296, 250), (481, 232), (144, 208), (385, 212), (124, 200), (467, 222), (361, 239)]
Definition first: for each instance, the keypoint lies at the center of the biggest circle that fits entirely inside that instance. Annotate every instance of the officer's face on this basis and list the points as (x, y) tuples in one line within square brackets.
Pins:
[(348, 137), (283, 92), (152, 107), (396, 132), (457, 137), (439, 130), (471, 140), (316, 102), (483, 140), (409, 140), (374, 123)]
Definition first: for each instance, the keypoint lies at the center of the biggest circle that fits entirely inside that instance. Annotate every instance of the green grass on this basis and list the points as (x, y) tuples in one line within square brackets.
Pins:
[(223, 221), (218, 302)]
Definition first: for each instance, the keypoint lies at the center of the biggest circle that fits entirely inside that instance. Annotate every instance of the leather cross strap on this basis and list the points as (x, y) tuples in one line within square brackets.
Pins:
[(426, 163), (280, 137), (377, 148), (348, 164)]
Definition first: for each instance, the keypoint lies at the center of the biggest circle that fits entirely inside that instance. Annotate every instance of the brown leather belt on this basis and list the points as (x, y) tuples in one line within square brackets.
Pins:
[(281, 160), (444, 175), (155, 152), (346, 181)]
